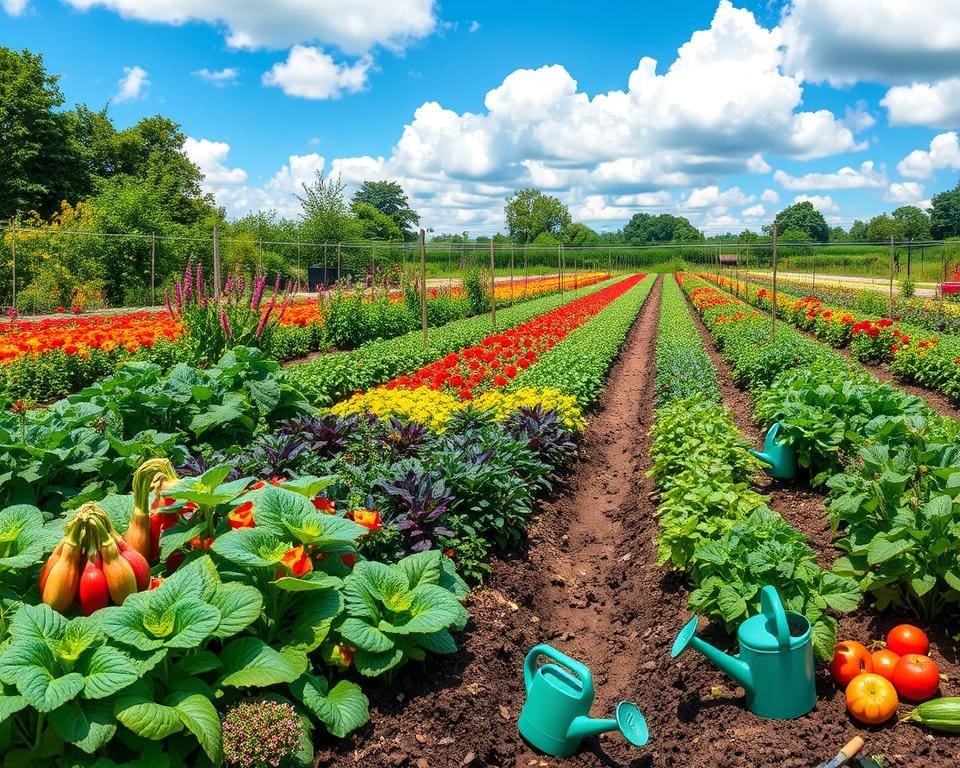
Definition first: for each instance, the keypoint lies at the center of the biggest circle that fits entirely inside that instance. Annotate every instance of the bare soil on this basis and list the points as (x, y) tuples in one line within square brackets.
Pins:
[(588, 584)]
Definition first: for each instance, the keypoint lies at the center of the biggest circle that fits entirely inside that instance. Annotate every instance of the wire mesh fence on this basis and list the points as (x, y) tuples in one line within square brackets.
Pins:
[(45, 269)]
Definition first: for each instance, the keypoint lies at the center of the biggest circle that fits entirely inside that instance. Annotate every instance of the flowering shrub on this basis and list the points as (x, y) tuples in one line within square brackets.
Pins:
[(434, 408), (261, 733)]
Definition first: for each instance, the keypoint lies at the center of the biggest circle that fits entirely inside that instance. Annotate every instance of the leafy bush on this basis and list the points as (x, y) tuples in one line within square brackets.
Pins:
[(683, 365)]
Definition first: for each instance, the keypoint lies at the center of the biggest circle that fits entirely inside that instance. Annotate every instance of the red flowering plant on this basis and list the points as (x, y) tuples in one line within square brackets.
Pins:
[(495, 361), (874, 341)]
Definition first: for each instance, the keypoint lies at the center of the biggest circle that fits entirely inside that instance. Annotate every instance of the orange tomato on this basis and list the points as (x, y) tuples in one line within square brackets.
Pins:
[(871, 699), (884, 661), (850, 659)]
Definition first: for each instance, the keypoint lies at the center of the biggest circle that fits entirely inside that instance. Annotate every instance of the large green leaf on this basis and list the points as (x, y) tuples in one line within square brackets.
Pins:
[(39, 622), (239, 606), (22, 536), (197, 579), (422, 568), (31, 666), (882, 549), (250, 663), (10, 705), (357, 632), (432, 608), (342, 709), (315, 613), (201, 718), (251, 547), (89, 726), (149, 719), (106, 671), (374, 664)]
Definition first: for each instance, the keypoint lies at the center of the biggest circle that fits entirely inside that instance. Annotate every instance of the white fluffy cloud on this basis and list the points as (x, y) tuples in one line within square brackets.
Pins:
[(15, 7), (845, 178), (211, 157), (310, 73), (770, 196), (936, 105), (904, 192), (219, 78), (754, 212), (354, 26), (944, 152), (669, 138), (132, 86), (845, 41), (712, 197), (823, 203)]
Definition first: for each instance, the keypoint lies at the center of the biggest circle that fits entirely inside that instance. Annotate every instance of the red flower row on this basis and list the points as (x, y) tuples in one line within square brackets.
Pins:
[(500, 357)]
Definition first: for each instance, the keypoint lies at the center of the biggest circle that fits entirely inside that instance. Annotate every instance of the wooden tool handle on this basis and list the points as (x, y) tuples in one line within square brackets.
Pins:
[(852, 747)]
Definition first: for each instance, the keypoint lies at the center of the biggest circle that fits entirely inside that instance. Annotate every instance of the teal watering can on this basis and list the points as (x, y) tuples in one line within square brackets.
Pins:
[(775, 665), (780, 457), (555, 716)]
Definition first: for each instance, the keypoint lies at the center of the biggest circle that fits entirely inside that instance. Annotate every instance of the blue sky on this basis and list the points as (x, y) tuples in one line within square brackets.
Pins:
[(853, 104)]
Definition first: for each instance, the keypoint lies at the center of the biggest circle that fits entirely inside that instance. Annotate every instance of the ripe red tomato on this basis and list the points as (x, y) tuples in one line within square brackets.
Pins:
[(884, 661), (850, 659), (916, 677), (906, 638)]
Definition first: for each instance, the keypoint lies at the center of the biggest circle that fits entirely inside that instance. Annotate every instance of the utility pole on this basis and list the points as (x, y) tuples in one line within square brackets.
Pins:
[(493, 289), (773, 312), (423, 287), (13, 254), (153, 269), (216, 262), (892, 256)]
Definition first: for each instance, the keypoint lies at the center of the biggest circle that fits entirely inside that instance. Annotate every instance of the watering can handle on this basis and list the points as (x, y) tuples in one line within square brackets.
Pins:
[(773, 432), (579, 669), (770, 605)]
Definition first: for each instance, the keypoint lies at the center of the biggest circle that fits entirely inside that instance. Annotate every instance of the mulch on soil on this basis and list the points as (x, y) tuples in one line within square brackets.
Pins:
[(588, 584)]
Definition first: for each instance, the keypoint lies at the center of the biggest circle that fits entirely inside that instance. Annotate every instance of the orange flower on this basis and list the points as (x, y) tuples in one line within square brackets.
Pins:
[(242, 516), (368, 518), (297, 561), (323, 505)]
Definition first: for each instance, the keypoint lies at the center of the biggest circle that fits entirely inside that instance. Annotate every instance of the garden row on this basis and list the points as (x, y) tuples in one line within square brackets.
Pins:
[(713, 525), (41, 360), (931, 314), (293, 557), (910, 352), (892, 465)]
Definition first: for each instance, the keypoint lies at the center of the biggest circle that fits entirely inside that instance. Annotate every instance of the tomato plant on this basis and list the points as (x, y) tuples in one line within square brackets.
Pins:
[(906, 638), (850, 659), (871, 699), (916, 677)]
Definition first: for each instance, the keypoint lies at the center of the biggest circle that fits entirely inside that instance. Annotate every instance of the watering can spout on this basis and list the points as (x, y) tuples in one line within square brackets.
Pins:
[(764, 457), (733, 666), (584, 726)]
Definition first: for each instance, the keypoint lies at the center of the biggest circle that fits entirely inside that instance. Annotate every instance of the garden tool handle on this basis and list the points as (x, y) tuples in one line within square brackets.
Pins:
[(579, 669), (770, 605), (852, 747)]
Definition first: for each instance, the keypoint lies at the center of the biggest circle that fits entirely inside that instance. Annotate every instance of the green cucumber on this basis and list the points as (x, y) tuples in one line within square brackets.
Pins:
[(938, 714)]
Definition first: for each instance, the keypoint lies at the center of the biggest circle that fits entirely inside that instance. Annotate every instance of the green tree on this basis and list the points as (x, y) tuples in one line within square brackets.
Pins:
[(326, 217), (529, 213), (374, 224), (41, 161), (858, 232), (838, 235), (805, 218), (881, 228), (645, 228), (578, 235), (945, 214), (389, 198), (915, 222)]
